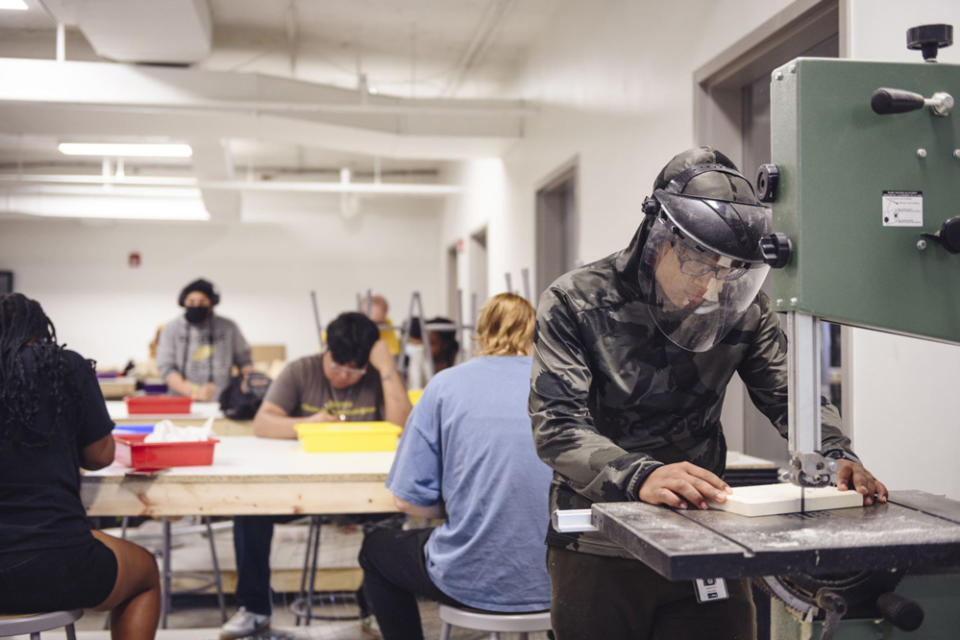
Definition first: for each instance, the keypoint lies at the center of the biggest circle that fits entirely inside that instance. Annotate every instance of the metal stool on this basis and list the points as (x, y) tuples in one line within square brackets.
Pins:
[(34, 623), (303, 606), (521, 623)]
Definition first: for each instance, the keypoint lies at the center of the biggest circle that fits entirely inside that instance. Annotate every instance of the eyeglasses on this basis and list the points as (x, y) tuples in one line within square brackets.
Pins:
[(697, 266), (341, 369)]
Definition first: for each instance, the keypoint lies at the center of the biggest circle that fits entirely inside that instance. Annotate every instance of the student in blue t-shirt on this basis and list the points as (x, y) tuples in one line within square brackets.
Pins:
[(467, 455)]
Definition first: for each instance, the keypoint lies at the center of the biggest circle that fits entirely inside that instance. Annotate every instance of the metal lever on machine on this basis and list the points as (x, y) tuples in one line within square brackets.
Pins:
[(834, 607), (886, 101)]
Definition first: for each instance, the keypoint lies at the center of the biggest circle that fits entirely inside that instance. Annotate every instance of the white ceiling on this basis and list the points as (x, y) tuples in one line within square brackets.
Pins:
[(409, 48), (438, 76)]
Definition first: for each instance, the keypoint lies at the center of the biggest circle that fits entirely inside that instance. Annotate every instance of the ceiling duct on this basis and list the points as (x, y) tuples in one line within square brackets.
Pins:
[(149, 31)]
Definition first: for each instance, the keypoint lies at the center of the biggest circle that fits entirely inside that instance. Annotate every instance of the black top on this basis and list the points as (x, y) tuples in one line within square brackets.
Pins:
[(40, 504)]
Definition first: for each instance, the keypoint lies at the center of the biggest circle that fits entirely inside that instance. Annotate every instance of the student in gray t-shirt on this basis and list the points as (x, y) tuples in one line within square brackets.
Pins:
[(197, 351), (354, 380)]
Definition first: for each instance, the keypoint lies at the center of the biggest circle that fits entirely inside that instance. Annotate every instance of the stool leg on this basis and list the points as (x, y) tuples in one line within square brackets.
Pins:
[(71, 633), (313, 570), (165, 600), (445, 631), (216, 570), (35, 636), (495, 635), (524, 636)]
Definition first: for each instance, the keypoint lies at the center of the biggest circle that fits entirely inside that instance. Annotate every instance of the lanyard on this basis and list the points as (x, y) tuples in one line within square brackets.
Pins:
[(186, 350)]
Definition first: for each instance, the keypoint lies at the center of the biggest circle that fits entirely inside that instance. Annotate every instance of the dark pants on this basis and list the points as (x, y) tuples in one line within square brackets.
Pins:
[(617, 598), (394, 574), (252, 536)]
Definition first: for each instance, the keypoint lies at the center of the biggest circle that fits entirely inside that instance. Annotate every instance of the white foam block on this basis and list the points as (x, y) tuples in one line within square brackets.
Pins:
[(771, 499)]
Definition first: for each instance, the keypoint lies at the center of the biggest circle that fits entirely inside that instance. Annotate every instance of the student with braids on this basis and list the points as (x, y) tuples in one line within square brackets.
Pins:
[(52, 422)]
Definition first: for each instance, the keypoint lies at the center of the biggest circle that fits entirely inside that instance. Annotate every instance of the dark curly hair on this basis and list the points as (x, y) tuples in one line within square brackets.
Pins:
[(23, 324), (350, 336)]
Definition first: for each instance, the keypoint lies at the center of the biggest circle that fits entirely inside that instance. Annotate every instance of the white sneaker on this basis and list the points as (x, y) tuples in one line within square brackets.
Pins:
[(244, 623)]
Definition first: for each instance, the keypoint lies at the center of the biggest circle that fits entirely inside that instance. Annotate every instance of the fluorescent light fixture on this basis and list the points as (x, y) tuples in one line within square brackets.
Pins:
[(128, 150), (13, 5)]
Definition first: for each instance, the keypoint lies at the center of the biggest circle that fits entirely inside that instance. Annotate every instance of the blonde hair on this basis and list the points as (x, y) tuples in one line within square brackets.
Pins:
[(506, 326)]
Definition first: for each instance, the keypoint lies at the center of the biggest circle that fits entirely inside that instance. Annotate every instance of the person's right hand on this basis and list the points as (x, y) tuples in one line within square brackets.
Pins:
[(678, 484), (205, 392)]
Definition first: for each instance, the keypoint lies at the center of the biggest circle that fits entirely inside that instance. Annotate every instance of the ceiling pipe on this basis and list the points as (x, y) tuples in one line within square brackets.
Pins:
[(344, 186)]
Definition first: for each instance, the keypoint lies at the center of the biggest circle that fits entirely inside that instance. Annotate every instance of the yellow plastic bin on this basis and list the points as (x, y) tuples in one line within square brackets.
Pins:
[(320, 437)]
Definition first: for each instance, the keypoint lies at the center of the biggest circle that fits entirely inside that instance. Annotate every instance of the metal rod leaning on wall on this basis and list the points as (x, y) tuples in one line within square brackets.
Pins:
[(525, 276), (506, 277), (316, 319)]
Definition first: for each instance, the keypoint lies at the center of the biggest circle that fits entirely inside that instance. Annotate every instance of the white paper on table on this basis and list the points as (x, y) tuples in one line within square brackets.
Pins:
[(166, 431)]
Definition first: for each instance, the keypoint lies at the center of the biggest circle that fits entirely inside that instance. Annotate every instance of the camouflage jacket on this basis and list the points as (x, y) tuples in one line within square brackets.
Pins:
[(612, 398)]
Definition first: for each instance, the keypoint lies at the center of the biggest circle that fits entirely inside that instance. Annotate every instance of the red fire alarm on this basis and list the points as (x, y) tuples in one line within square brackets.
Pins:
[(133, 260)]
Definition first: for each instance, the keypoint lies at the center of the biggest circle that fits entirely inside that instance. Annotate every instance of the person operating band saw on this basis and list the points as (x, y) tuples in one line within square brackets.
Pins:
[(632, 357)]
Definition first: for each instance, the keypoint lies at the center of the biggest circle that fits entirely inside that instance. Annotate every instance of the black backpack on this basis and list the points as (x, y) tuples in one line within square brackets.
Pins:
[(240, 401)]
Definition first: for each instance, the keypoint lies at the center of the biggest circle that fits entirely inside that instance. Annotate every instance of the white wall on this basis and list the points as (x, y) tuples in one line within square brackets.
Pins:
[(264, 271), (904, 412), (613, 82)]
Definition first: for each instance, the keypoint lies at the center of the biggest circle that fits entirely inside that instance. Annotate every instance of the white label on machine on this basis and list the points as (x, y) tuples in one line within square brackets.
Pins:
[(903, 208), (711, 589)]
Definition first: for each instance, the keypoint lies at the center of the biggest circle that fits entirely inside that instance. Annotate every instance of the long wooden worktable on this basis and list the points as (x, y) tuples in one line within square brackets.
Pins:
[(249, 475)]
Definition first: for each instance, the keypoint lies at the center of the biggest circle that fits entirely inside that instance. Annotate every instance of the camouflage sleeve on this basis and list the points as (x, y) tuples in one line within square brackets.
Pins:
[(563, 429), (764, 372)]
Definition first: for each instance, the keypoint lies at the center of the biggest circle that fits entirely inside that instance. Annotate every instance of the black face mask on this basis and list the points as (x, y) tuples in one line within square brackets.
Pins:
[(196, 315)]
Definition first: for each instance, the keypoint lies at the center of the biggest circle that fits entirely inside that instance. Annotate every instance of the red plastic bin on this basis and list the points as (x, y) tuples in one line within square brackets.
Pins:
[(134, 452), (158, 404)]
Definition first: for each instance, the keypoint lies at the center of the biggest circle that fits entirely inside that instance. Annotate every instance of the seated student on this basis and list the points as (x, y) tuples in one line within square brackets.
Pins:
[(443, 342), (443, 351), (376, 309), (355, 379), (53, 420), (467, 454), (197, 350)]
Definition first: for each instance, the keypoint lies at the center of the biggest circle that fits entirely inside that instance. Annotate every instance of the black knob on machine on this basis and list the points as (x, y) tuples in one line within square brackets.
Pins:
[(929, 38), (776, 249), (768, 179), (901, 612)]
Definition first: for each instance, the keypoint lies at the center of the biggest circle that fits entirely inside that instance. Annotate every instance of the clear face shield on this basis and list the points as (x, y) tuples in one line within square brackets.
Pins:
[(695, 294)]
